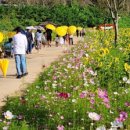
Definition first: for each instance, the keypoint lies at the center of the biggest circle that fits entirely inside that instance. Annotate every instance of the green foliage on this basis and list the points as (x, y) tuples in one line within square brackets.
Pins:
[(12, 16), (124, 22)]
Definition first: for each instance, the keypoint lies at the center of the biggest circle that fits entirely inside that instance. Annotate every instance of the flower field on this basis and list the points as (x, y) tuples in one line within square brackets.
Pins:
[(85, 89)]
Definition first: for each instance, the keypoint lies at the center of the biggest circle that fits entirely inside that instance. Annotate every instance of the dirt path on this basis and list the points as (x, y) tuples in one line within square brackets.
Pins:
[(35, 61)]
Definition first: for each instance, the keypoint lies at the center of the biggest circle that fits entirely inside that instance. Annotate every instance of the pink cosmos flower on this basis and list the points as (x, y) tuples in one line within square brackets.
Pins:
[(91, 94), (92, 101), (60, 127), (104, 96), (83, 94), (102, 93), (105, 100), (54, 77), (107, 105), (122, 117), (63, 95), (94, 116), (127, 104)]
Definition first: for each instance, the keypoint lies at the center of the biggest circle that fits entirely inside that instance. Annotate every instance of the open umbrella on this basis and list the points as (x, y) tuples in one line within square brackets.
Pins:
[(51, 27), (4, 63), (71, 30), (79, 28), (31, 28), (61, 31), (65, 27), (1, 36), (11, 34)]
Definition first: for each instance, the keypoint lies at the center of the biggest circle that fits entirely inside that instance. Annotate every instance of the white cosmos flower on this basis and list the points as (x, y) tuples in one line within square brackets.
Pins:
[(101, 128), (124, 79), (116, 124), (69, 65), (73, 100), (5, 127), (54, 85), (116, 93), (86, 55), (126, 91), (8, 115)]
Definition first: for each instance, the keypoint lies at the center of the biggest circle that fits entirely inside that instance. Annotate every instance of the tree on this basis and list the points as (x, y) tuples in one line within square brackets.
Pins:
[(115, 7)]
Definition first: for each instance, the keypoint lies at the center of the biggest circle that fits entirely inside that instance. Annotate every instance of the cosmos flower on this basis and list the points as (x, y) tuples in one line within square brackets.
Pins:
[(122, 117), (83, 94), (102, 93), (60, 127), (94, 116), (8, 115), (63, 95)]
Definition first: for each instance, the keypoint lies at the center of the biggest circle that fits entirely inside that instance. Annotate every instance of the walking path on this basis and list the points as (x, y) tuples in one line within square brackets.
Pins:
[(11, 86)]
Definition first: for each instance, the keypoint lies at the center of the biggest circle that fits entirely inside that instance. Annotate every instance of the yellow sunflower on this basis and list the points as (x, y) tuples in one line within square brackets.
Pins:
[(127, 67)]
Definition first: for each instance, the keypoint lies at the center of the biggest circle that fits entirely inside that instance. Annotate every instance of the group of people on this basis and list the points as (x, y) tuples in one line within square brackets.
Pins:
[(67, 39), (25, 41), (80, 33)]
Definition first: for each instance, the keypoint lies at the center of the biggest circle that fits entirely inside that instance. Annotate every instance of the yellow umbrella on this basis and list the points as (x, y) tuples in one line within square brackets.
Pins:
[(11, 34), (61, 31), (4, 63), (51, 27), (79, 28), (1, 36), (71, 30), (65, 27)]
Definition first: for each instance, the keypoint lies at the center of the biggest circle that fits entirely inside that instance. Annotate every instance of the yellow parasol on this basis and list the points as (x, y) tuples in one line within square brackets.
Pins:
[(51, 27), (1, 36), (11, 34), (71, 30), (4, 63), (65, 27), (79, 28), (61, 31)]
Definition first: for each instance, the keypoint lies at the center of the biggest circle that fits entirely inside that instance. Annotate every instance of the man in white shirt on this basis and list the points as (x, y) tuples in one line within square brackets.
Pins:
[(20, 47)]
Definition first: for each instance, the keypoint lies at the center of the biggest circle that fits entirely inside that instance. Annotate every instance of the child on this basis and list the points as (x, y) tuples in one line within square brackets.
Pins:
[(7, 48), (57, 40), (61, 41)]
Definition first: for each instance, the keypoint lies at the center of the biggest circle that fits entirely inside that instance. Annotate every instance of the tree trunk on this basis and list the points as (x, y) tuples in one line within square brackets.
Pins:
[(115, 21)]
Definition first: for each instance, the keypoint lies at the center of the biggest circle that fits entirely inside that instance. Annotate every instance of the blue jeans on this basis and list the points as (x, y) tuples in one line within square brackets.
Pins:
[(20, 61)]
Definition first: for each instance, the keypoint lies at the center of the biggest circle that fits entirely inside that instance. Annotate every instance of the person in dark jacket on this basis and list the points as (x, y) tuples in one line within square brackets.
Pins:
[(49, 37), (30, 40)]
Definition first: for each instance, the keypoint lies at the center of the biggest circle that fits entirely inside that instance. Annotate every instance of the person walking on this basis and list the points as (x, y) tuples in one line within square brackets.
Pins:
[(30, 40), (38, 39), (20, 48), (49, 37), (71, 42), (77, 33), (56, 40), (44, 41)]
